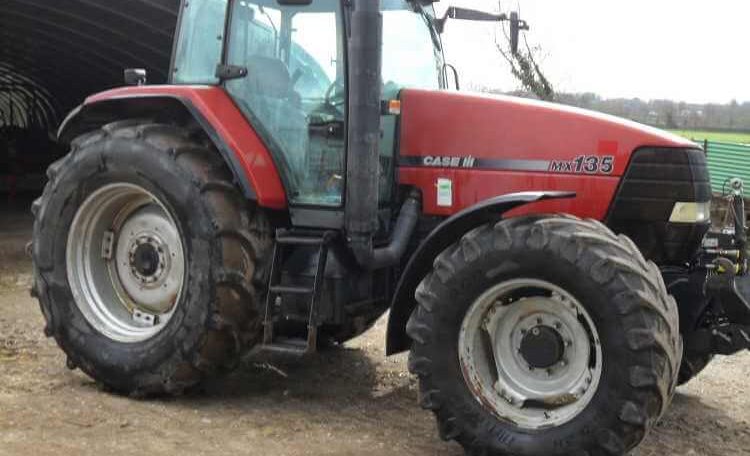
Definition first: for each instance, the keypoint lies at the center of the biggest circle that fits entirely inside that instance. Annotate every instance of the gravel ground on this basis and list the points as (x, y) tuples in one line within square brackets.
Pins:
[(349, 401)]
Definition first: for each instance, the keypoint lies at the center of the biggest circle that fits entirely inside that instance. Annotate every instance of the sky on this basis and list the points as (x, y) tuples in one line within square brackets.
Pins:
[(684, 50)]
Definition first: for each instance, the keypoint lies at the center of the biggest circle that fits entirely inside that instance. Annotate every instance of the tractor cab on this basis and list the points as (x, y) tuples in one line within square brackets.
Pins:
[(286, 68)]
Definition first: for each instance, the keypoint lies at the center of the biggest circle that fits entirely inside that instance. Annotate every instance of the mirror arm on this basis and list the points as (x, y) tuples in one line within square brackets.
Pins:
[(454, 12)]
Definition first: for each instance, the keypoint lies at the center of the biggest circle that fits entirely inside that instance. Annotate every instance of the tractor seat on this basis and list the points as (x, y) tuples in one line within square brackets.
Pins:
[(271, 98), (270, 77)]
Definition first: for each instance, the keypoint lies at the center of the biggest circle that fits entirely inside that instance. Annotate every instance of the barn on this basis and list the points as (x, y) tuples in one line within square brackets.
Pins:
[(55, 53)]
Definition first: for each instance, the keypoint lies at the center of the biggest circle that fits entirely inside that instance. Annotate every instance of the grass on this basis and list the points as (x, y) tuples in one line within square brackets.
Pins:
[(718, 136)]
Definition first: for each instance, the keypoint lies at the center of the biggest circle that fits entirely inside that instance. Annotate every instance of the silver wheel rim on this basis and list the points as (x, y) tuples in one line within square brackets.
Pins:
[(125, 263), (499, 373)]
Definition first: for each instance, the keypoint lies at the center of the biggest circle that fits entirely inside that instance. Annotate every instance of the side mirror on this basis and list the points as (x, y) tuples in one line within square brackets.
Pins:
[(135, 77), (516, 25)]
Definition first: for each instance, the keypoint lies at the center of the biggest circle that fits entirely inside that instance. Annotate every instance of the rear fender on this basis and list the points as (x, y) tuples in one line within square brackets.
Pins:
[(442, 237), (234, 138)]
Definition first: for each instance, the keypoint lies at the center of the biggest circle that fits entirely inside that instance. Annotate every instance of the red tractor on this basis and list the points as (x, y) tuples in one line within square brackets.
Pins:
[(304, 173)]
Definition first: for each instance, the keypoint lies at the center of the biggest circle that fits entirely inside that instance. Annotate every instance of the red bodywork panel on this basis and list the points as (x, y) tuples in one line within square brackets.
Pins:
[(511, 144), (230, 124), (500, 145)]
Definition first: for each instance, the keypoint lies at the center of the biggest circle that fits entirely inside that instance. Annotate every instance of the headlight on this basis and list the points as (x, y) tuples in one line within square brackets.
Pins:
[(691, 212)]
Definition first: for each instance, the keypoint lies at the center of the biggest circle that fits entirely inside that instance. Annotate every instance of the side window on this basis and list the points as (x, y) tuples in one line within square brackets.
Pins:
[(294, 91), (200, 42)]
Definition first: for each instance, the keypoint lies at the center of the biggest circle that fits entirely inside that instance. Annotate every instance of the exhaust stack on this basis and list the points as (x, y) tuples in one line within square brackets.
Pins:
[(363, 151)]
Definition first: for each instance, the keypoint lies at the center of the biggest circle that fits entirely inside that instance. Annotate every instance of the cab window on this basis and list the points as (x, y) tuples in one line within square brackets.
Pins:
[(294, 92)]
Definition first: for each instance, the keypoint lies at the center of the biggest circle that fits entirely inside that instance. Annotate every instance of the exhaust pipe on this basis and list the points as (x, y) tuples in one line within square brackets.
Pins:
[(363, 151)]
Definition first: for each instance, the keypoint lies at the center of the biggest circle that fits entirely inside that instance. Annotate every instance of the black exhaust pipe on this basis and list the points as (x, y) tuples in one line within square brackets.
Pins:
[(363, 161)]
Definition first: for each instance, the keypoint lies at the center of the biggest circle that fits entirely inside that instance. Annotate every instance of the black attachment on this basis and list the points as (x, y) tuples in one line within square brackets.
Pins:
[(721, 339), (135, 76), (724, 257), (738, 213), (229, 72), (732, 291), (277, 291)]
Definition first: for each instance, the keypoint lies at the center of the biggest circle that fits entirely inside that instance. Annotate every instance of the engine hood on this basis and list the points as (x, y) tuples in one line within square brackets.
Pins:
[(449, 129), (460, 149)]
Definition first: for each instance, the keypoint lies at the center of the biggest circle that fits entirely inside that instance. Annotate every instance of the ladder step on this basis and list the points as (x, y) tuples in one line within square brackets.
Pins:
[(299, 240), (282, 289), (296, 347)]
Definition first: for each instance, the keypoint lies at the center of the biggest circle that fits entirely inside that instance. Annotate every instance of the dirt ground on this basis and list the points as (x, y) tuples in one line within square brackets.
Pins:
[(350, 401)]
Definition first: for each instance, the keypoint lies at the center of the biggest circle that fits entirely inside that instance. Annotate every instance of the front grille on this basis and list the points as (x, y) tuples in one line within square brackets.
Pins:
[(656, 179)]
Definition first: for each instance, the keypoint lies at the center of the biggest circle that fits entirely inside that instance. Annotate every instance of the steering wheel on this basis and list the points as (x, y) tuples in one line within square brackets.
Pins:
[(336, 94)]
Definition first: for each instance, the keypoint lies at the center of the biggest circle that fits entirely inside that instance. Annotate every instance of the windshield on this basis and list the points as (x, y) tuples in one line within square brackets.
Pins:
[(412, 54)]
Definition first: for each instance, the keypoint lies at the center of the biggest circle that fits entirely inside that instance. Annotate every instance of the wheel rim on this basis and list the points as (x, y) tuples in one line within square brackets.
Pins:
[(530, 353), (125, 263)]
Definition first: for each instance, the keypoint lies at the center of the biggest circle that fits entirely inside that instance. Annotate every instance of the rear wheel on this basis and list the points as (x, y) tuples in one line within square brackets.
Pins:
[(146, 259), (545, 336)]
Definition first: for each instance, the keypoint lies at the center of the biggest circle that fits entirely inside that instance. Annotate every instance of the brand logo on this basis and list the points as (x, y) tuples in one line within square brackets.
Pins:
[(450, 162)]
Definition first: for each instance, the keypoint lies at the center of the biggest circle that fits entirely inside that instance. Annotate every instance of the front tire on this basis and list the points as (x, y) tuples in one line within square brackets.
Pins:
[(539, 267), (147, 259)]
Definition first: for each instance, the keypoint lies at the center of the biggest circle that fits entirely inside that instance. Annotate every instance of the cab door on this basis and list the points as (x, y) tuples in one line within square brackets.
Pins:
[(294, 93)]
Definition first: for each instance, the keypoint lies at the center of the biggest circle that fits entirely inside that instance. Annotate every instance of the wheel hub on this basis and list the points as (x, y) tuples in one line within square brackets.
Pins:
[(125, 262), (146, 262), (149, 260), (530, 352), (542, 347)]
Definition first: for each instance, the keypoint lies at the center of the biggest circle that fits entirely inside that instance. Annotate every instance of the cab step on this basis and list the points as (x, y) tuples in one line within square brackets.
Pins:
[(288, 239)]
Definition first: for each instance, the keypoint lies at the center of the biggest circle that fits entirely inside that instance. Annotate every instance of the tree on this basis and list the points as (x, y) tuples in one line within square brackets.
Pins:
[(524, 66)]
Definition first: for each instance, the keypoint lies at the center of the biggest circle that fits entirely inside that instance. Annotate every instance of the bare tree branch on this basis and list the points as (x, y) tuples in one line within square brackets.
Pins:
[(524, 67)]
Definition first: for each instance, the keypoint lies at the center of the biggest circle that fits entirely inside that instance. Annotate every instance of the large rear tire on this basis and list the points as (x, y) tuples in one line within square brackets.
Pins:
[(147, 259), (507, 370)]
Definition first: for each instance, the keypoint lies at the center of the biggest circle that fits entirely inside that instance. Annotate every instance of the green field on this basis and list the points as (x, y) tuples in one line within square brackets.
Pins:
[(718, 136)]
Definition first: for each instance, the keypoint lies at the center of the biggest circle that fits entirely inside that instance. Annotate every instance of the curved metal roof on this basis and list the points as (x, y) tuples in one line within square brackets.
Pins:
[(53, 53)]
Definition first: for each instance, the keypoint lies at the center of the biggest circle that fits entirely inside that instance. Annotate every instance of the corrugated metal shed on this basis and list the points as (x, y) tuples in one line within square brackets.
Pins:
[(727, 161), (55, 52)]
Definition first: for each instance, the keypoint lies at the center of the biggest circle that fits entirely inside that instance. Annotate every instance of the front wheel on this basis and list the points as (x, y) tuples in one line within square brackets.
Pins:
[(545, 336)]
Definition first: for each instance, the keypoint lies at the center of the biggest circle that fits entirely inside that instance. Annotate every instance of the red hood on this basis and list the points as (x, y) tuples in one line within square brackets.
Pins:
[(476, 147), (503, 127)]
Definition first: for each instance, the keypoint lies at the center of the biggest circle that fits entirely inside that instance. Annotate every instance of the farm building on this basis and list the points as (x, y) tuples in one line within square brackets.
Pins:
[(53, 54)]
